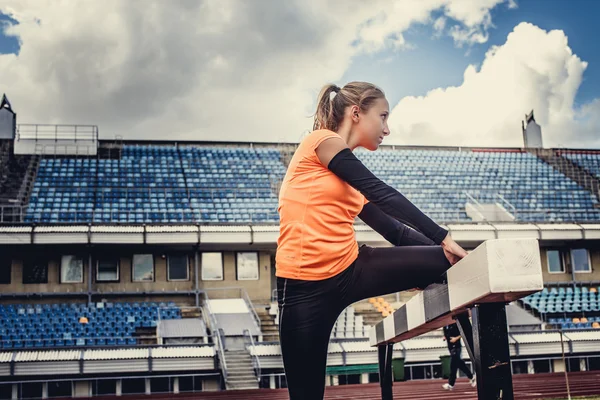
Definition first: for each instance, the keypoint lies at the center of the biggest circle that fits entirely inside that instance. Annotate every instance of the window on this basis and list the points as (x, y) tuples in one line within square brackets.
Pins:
[(212, 266), (71, 269), (555, 264), (5, 270), (133, 386), (580, 259), (60, 389), (247, 266), (35, 271), (107, 270), (178, 268), (143, 268)]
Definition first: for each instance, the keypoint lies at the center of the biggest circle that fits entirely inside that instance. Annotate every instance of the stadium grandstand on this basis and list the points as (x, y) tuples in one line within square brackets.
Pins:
[(132, 267)]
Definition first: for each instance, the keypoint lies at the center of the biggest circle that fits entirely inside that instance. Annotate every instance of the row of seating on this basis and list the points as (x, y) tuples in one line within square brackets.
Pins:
[(565, 299), (159, 184), (534, 188), (349, 325), (79, 324), (169, 183)]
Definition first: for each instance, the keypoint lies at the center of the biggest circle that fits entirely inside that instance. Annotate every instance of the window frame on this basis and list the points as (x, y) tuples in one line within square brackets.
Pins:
[(33, 259), (152, 255), (237, 278), (561, 260), (589, 259), (222, 267), (60, 269), (118, 260), (187, 269)]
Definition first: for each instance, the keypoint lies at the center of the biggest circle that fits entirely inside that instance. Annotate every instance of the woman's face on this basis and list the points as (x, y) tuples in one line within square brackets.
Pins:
[(372, 125)]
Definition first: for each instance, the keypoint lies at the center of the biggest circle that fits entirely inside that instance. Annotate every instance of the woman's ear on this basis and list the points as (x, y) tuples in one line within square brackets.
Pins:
[(354, 113)]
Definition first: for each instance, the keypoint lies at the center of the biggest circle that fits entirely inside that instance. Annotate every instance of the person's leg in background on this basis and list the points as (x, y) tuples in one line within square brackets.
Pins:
[(454, 362), (307, 311), (462, 365)]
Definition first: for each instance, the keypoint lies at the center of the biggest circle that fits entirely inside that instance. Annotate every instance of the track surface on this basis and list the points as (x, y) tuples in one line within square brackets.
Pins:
[(526, 387)]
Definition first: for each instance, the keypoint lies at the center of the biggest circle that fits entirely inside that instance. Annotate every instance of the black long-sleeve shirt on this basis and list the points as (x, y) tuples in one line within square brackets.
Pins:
[(451, 331), (391, 202), (391, 229)]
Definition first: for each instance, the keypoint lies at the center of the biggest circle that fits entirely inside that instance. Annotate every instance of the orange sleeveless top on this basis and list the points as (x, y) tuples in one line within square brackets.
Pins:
[(317, 211)]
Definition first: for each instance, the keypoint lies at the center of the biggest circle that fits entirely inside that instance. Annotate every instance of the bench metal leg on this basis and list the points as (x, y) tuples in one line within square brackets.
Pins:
[(385, 370), (466, 332), (491, 354)]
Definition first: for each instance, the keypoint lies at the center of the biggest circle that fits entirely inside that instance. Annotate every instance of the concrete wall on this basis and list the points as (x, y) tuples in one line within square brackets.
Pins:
[(258, 290)]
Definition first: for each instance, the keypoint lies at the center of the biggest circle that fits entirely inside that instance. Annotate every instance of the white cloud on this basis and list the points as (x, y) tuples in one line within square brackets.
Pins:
[(213, 70), (438, 26), (533, 69)]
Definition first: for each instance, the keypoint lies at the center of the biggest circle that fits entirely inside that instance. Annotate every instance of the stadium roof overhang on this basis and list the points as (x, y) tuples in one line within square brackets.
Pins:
[(266, 235)]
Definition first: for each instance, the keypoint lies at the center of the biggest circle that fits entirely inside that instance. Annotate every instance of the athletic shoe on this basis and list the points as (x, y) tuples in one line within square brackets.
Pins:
[(446, 386), (473, 381)]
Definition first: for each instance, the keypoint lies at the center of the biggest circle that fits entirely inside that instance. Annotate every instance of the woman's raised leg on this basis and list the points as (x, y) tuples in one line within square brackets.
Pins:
[(383, 270)]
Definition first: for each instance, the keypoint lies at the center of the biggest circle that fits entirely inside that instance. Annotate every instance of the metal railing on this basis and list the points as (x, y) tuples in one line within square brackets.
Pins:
[(249, 341), (235, 293), (17, 214), (231, 214), (217, 334), (57, 132)]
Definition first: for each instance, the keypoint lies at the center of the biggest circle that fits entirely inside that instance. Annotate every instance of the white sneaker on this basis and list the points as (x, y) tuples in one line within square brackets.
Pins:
[(473, 381), (447, 386)]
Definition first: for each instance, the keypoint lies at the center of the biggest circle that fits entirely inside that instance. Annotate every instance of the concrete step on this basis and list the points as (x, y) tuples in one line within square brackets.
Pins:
[(238, 359), (228, 354), (241, 379), (245, 386), (240, 376), (269, 329), (240, 367)]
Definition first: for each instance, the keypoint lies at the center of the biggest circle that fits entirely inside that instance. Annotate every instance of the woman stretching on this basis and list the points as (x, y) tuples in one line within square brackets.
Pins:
[(320, 268)]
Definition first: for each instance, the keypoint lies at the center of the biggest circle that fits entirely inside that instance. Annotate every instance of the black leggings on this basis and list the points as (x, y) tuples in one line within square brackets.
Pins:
[(308, 309), (456, 363)]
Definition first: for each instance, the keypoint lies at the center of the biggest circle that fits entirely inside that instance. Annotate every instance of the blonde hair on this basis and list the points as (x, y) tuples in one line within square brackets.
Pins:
[(333, 100)]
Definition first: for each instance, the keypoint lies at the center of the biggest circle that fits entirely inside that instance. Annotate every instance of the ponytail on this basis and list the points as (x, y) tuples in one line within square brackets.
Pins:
[(333, 100)]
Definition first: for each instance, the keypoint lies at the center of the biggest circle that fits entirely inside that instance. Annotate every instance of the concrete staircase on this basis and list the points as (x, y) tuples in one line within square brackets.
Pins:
[(240, 372), (569, 168), (268, 328), (17, 175)]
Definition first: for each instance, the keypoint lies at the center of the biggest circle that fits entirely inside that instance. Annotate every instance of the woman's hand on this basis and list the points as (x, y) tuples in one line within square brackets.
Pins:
[(453, 252)]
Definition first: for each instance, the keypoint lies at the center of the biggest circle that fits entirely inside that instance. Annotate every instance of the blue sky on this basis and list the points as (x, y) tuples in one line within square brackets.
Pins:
[(437, 62), (8, 44)]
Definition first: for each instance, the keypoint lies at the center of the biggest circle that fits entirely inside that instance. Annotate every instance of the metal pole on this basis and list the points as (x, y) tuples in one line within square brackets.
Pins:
[(90, 277), (385, 370), (491, 353), (562, 347), (196, 277)]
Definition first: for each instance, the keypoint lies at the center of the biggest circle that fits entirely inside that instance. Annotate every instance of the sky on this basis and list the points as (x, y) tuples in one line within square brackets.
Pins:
[(455, 72)]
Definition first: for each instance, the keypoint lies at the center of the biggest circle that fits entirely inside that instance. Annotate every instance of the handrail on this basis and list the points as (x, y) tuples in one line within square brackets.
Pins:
[(20, 212), (477, 203), (254, 357), (506, 201), (219, 335), (56, 132), (220, 349), (250, 306)]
